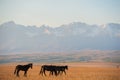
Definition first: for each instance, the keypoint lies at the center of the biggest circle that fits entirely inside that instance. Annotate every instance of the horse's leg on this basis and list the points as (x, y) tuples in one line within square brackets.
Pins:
[(25, 73), (55, 73), (44, 72), (17, 73), (64, 72), (41, 71)]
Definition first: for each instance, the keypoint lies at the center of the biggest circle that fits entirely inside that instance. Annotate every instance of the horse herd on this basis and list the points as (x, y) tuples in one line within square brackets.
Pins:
[(53, 69)]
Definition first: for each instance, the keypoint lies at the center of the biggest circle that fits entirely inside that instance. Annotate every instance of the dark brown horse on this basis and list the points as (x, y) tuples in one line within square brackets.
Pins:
[(61, 69), (50, 68), (22, 68), (54, 70)]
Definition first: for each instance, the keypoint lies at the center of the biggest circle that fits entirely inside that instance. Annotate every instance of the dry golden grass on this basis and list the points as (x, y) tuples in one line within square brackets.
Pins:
[(74, 73)]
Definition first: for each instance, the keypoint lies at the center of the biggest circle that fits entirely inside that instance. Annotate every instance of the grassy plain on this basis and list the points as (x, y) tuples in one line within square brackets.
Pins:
[(75, 72)]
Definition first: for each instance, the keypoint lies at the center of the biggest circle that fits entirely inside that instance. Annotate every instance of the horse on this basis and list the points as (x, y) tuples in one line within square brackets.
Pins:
[(23, 68), (54, 70), (50, 68), (61, 69)]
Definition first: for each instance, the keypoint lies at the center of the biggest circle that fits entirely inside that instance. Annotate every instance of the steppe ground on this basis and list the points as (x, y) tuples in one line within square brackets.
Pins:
[(76, 71)]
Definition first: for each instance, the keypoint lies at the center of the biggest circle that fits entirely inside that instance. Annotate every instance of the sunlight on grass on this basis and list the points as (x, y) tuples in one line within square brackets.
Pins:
[(73, 73)]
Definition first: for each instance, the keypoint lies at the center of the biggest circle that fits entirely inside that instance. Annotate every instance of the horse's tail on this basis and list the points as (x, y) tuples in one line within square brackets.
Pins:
[(15, 70)]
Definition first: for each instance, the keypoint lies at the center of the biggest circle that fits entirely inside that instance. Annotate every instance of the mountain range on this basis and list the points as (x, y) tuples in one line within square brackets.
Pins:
[(15, 38)]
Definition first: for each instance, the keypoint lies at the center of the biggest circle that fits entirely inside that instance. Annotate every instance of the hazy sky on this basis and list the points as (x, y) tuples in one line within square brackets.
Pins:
[(58, 12)]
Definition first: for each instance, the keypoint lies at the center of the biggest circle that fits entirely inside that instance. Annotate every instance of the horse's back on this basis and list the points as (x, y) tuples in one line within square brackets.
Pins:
[(18, 66)]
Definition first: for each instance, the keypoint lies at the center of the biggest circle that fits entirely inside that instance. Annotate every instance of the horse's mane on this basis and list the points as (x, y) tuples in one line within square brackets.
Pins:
[(30, 63)]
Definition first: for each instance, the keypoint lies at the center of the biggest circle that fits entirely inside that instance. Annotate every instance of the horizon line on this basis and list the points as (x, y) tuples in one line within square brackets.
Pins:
[(12, 21)]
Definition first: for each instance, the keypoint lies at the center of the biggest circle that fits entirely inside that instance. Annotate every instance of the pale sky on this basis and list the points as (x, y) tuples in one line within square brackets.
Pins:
[(57, 12)]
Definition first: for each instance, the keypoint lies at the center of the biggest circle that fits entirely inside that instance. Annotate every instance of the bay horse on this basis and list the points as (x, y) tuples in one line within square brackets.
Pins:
[(22, 68)]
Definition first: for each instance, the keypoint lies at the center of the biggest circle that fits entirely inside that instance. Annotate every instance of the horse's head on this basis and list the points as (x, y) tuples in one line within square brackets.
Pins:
[(66, 67), (31, 64)]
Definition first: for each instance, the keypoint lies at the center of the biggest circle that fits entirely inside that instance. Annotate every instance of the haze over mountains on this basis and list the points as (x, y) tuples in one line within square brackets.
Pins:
[(15, 38)]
